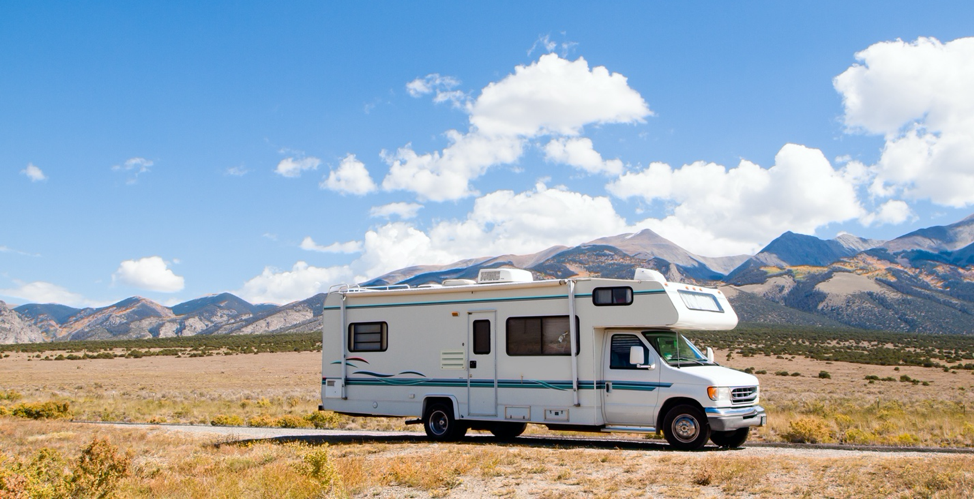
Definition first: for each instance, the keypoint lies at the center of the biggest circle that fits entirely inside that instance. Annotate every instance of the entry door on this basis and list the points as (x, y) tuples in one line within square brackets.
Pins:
[(631, 393), (482, 363)]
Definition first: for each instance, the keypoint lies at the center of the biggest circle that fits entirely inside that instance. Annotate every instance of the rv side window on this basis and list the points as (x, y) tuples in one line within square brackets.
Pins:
[(612, 296), (540, 335), (700, 301), (481, 337), (367, 337), (619, 356)]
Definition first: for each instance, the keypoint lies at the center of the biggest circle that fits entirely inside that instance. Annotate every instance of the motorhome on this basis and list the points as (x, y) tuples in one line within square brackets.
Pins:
[(504, 350)]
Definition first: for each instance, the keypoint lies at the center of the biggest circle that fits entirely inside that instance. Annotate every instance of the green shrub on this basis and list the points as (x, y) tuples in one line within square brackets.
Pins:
[(100, 467), (10, 395), (324, 419), (807, 429), (42, 410), (796, 374), (262, 421), (292, 421), (225, 420), (760, 371), (781, 373), (824, 375)]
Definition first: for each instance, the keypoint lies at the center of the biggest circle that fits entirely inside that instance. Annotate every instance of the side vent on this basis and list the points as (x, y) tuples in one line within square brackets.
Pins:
[(453, 359), (492, 276)]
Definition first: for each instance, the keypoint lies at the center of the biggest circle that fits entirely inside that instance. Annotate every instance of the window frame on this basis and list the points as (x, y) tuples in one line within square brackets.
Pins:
[(507, 336), (474, 338), (383, 336), (612, 303), (628, 366)]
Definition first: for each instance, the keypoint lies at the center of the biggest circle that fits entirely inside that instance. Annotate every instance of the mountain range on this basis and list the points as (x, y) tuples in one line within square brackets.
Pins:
[(920, 282)]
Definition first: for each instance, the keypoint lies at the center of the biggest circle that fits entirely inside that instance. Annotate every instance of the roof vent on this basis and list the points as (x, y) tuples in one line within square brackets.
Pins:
[(649, 275), (491, 276), (459, 282)]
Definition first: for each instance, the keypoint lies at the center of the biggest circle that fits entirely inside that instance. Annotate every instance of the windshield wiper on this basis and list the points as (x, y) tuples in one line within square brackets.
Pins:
[(686, 359)]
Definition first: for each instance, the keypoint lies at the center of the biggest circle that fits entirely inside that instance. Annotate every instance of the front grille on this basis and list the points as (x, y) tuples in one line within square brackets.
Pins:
[(744, 394)]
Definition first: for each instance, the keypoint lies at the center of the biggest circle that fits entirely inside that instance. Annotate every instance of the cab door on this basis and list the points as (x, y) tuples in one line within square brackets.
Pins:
[(631, 392), (481, 363)]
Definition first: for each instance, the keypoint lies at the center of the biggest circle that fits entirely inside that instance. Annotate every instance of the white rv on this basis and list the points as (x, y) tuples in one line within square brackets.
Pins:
[(583, 354)]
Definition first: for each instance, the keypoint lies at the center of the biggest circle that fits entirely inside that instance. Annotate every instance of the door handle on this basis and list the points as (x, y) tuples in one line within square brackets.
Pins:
[(608, 386)]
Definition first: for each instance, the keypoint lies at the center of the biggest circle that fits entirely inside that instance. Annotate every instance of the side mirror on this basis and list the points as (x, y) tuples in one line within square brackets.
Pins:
[(636, 355), (636, 358), (710, 355)]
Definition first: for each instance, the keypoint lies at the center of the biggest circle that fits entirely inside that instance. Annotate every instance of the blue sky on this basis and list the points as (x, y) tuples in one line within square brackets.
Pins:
[(177, 149)]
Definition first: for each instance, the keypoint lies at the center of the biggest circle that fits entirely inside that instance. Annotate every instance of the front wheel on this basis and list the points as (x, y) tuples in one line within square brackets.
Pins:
[(441, 425), (686, 428), (730, 439)]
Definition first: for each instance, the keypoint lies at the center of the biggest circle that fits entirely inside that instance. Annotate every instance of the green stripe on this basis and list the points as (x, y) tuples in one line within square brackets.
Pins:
[(560, 385), (482, 300)]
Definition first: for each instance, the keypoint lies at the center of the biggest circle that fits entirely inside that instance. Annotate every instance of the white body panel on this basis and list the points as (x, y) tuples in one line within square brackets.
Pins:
[(429, 351)]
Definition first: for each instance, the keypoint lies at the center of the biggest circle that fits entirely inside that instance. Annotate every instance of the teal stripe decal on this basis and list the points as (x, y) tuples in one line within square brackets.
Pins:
[(560, 385), (483, 300)]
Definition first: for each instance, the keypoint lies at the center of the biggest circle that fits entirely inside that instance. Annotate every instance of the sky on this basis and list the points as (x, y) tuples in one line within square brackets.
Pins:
[(174, 149)]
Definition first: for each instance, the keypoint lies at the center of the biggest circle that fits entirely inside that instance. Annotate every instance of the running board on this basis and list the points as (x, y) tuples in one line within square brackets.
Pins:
[(629, 429)]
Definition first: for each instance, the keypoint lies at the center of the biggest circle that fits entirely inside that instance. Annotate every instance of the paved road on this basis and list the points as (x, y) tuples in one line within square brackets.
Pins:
[(245, 434)]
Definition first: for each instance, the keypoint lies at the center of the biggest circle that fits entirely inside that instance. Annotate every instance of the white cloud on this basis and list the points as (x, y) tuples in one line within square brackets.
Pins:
[(301, 282), (351, 177), (892, 212), (135, 166), (150, 273), (552, 96), (349, 247), (404, 211), (446, 176), (292, 167), (578, 152), (442, 86), (918, 96), (721, 211), (33, 173), (556, 96), (45, 292), (237, 171), (5, 249)]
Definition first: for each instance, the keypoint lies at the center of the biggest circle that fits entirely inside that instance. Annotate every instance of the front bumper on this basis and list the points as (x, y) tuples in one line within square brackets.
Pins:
[(734, 418)]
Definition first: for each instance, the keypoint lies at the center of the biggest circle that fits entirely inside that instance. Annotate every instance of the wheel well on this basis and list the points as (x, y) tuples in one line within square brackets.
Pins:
[(671, 403), (448, 401)]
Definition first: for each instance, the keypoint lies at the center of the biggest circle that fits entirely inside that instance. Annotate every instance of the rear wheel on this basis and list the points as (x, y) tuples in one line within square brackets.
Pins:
[(506, 431), (686, 428), (440, 424), (730, 439)]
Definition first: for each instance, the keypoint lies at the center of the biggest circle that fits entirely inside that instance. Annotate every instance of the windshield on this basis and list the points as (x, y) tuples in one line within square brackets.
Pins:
[(675, 348)]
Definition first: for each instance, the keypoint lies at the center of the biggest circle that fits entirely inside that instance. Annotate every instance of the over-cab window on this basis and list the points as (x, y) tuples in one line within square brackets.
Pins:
[(621, 295), (700, 301), (540, 335), (367, 337)]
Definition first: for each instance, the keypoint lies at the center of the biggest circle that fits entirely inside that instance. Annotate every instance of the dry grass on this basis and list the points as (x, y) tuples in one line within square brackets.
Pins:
[(169, 464)]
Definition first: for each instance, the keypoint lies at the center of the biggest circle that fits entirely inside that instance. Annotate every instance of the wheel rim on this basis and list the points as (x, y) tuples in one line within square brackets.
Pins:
[(685, 428), (439, 423)]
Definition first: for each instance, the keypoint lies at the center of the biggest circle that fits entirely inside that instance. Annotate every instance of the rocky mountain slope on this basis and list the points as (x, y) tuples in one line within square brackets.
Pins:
[(920, 282)]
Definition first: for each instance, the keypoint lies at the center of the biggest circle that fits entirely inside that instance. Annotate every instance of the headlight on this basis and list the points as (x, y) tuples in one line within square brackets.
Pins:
[(718, 393)]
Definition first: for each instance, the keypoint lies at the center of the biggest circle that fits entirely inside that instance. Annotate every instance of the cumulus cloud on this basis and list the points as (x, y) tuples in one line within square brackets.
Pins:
[(552, 96), (720, 211), (351, 177), (556, 96), (33, 173), (150, 273), (892, 212), (404, 211), (578, 152), (285, 286), (918, 96), (292, 167), (348, 247), (45, 292)]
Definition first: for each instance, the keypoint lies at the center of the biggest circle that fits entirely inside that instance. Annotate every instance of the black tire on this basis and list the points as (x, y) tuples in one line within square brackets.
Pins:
[(686, 428), (730, 439), (507, 431), (441, 425)]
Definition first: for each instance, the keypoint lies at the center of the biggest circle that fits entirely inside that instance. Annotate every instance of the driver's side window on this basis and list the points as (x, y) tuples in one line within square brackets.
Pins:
[(619, 351)]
